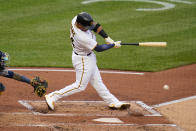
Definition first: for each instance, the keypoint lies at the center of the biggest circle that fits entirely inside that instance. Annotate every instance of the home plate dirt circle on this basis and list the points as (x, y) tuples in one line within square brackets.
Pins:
[(88, 108), (97, 113), (21, 109)]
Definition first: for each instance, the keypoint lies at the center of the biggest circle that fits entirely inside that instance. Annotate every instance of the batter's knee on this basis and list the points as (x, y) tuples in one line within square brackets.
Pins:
[(81, 87)]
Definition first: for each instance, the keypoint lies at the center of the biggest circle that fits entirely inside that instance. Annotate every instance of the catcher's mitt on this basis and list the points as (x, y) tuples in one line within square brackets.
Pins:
[(39, 86)]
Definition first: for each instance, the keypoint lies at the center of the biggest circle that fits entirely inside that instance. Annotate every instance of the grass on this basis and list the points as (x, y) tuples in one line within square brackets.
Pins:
[(36, 33)]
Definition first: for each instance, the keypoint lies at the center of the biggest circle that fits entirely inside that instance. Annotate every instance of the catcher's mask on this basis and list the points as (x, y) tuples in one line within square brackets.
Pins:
[(85, 20), (4, 59)]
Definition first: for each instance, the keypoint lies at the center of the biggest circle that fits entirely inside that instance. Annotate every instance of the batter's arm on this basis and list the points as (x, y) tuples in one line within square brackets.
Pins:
[(100, 48), (99, 30)]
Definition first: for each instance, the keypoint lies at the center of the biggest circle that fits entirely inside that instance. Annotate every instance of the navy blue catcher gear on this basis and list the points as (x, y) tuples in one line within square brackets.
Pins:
[(4, 57), (2, 88), (85, 20)]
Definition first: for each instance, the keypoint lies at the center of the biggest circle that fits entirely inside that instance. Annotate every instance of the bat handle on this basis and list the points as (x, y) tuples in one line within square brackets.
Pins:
[(130, 44)]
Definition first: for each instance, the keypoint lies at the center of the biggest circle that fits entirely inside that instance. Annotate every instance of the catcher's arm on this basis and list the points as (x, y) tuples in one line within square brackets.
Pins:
[(40, 86)]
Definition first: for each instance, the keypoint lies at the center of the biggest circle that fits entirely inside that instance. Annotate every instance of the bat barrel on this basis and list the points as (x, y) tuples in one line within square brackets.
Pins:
[(159, 44)]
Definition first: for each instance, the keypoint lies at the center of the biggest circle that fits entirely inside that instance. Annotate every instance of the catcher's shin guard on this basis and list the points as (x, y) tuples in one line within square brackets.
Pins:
[(2, 88)]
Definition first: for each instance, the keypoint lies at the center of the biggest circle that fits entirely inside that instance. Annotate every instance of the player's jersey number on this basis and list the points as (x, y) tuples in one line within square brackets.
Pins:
[(72, 35)]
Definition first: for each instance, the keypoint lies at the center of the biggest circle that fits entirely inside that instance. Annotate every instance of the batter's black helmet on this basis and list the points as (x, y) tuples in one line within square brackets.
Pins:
[(86, 20)]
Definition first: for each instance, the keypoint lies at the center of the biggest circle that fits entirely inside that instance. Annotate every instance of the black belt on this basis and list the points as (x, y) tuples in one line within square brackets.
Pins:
[(86, 55)]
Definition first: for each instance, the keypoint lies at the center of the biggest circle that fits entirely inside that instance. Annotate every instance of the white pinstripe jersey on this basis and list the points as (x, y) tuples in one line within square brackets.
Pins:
[(82, 42)]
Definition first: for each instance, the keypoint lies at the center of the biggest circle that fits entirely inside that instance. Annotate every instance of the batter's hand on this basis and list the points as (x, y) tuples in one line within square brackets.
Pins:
[(108, 40), (117, 44)]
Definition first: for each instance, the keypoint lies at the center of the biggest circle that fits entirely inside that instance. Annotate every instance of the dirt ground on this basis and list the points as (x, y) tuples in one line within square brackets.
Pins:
[(77, 112)]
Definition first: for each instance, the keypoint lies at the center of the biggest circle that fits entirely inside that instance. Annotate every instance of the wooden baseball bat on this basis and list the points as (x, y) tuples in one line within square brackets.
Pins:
[(155, 44)]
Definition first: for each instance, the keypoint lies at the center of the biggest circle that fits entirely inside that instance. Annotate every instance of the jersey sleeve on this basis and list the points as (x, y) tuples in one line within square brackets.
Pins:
[(88, 42)]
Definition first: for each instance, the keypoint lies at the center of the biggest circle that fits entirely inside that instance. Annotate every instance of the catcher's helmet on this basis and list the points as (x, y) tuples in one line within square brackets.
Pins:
[(4, 58), (85, 20)]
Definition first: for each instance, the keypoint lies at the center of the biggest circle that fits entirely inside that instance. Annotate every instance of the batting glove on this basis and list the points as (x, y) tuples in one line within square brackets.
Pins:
[(108, 40), (117, 44)]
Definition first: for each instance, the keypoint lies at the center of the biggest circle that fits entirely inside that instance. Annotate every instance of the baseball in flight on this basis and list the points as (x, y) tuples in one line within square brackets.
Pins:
[(166, 87)]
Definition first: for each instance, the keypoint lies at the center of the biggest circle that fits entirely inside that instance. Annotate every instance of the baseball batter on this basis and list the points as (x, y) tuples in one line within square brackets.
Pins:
[(39, 86), (84, 62)]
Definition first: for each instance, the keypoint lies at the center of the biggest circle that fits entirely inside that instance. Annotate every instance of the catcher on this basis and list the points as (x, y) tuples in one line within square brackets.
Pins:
[(39, 86)]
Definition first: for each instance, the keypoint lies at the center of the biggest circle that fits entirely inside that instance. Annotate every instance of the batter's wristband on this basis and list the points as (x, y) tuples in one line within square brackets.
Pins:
[(103, 34), (96, 27)]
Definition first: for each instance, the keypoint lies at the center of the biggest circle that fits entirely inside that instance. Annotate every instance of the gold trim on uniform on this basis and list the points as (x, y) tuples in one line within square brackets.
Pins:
[(95, 46), (75, 87)]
